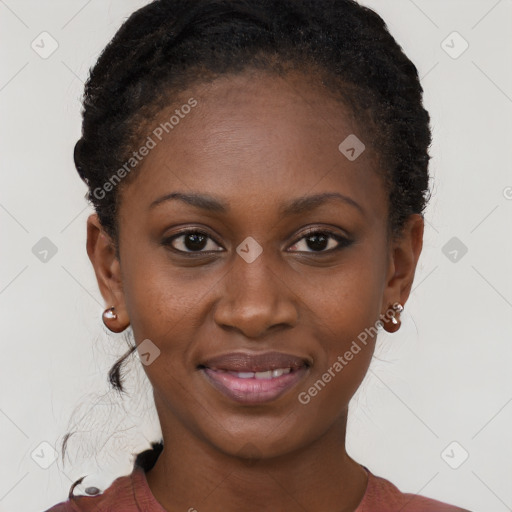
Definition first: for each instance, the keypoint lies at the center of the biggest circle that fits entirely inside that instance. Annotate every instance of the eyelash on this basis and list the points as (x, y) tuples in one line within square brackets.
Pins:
[(341, 240)]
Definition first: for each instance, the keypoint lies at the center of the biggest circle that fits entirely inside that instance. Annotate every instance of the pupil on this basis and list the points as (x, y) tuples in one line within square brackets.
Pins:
[(195, 241), (316, 245)]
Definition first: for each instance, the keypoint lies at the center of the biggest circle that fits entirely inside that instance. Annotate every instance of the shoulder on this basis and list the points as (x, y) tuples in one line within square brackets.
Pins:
[(119, 493), (129, 493), (382, 496)]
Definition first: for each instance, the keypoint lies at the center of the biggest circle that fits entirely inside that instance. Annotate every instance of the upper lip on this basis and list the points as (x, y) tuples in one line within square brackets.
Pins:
[(254, 362)]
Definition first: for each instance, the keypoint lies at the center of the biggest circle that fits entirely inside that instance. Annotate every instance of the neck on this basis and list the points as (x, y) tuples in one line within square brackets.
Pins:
[(192, 474)]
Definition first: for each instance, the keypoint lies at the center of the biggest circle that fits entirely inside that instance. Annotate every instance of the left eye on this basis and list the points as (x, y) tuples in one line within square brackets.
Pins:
[(321, 241)]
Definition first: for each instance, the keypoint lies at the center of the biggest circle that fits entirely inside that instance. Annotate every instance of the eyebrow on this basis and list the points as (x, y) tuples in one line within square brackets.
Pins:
[(293, 207)]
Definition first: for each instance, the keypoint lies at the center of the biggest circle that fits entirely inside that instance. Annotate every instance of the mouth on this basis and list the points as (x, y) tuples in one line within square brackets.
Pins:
[(254, 378)]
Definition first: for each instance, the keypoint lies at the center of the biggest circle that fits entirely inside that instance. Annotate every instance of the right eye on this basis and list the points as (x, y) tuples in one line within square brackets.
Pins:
[(191, 241)]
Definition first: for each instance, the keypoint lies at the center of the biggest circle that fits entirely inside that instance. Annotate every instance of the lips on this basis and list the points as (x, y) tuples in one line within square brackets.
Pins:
[(244, 362), (252, 378)]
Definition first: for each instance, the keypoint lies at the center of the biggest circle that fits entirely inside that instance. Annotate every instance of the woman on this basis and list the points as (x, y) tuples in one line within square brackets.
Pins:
[(259, 171)]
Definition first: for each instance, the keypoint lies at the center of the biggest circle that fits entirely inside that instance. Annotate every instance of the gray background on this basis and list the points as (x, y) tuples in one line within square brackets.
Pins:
[(444, 378)]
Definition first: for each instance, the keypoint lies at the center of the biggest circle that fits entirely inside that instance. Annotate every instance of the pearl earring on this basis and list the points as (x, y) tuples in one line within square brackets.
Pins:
[(397, 308), (111, 320), (109, 314)]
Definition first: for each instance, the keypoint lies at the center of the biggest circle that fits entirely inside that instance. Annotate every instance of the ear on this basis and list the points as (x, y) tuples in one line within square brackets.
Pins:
[(102, 253), (403, 258)]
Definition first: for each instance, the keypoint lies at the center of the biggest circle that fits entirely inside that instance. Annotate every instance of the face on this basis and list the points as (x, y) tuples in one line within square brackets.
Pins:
[(274, 241)]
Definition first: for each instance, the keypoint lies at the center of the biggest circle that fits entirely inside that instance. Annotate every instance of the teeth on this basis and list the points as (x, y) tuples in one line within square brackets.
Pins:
[(269, 374), (280, 371), (263, 375)]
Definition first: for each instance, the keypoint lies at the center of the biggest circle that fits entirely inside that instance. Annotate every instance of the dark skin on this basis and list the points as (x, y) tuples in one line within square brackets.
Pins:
[(255, 142)]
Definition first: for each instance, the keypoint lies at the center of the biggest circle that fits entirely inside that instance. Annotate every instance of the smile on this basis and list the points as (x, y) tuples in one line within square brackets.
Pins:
[(254, 387), (269, 374)]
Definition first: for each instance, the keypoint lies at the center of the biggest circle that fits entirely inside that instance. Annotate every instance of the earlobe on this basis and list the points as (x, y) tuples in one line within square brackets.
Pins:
[(404, 255), (102, 253)]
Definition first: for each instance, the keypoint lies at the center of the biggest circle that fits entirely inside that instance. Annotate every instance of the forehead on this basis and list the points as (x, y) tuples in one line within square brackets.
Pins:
[(259, 135)]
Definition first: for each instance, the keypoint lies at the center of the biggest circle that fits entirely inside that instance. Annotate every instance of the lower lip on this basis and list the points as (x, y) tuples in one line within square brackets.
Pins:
[(253, 391)]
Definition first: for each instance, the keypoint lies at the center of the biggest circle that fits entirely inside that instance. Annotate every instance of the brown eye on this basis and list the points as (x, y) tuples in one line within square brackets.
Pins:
[(191, 241), (320, 241)]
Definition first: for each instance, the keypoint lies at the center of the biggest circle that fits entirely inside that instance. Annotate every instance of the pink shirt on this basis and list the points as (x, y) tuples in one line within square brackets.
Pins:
[(131, 493)]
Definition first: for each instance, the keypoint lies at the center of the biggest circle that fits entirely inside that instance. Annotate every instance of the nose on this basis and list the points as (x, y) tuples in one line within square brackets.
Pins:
[(254, 299)]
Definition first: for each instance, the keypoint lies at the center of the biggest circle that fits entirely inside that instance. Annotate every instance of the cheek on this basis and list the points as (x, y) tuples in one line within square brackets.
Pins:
[(347, 336), (345, 309), (348, 298), (168, 307), (160, 313), (159, 298), (346, 331), (330, 389)]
